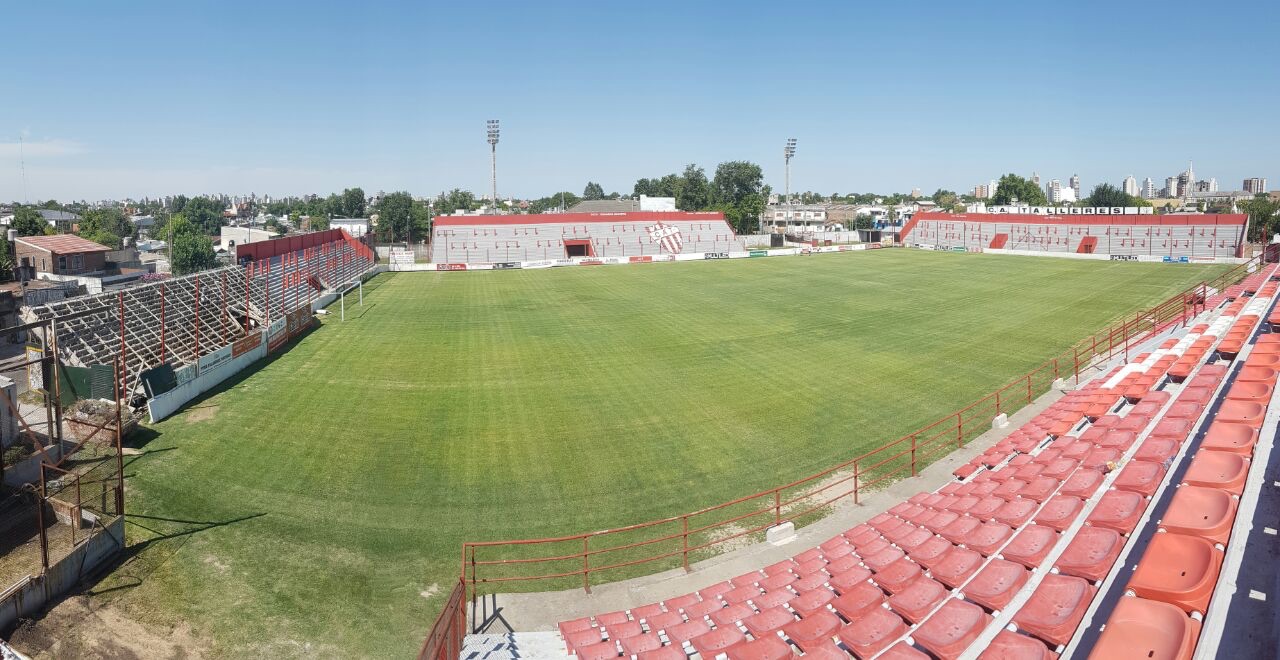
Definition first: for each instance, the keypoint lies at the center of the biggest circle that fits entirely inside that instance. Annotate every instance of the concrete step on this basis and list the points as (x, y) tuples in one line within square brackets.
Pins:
[(514, 646)]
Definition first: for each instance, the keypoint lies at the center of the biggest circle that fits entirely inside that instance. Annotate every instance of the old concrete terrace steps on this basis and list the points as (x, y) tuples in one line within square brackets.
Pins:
[(513, 646), (849, 552), (1219, 240)]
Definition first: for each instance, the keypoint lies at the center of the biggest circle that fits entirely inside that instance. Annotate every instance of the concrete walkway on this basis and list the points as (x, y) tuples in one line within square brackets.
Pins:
[(542, 611)]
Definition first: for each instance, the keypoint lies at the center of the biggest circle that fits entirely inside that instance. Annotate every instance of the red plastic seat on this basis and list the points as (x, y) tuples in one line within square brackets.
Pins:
[(1249, 413), (1157, 450), (573, 626), (1039, 489), (987, 538), (1189, 410), (810, 582), (1257, 374), (778, 581), (598, 651), (641, 643), (941, 520), (1177, 429), (1256, 391), (880, 560), (664, 653), (703, 608), (1179, 570), (1200, 394), (1009, 488), (1218, 469), (995, 585), (1116, 439), (683, 632), (956, 566), (1118, 510), (664, 620), (849, 579), (747, 579), (1133, 423), (1142, 477), (1055, 608), (646, 611), (714, 591), (878, 544), (872, 633), (727, 616), (1059, 512), (858, 600), (825, 650), (769, 647), (624, 630), (950, 630), (817, 627), (1141, 628), (914, 602), (611, 618), (960, 528), (930, 552), (1226, 436), (740, 595), (814, 600), (896, 576), (1015, 512), (1091, 553), (774, 599), (768, 621), (1082, 483), (899, 651), (1030, 546), (1012, 646), (582, 638), (1101, 458), (708, 645), (1204, 512)]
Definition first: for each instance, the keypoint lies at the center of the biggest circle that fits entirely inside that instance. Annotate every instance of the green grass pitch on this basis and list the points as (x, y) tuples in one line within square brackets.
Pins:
[(315, 506)]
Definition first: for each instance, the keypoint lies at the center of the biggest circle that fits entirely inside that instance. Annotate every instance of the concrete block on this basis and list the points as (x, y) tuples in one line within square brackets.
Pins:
[(1001, 421), (1060, 385), (781, 534)]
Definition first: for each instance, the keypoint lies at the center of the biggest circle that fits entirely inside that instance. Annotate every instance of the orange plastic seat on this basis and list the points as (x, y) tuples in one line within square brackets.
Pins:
[(597, 651), (951, 629), (1012, 646), (873, 632), (1118, 510), (1015, 512), (1265, 359), (956, 566), (1257, 374), (1091, 553), (1204, 512), (1117, 439), (766, 647), (664, 620), (1185, 410), (1179, 570), (1218, 469), (899, 651), (1030, 546), (1201, 394), (625, 629), (1177, 429), (960, 528), (1141, 628), (1249, 413), (1101, 458), (1157, 450), (813, 600), (1055, 609), (640, 643), (1133, 423), (726, 616), (1142, 477), (986, 507), (914, 538), (995, 585), (683, 632), (1229, 436), (1059, 512), (914, 602)]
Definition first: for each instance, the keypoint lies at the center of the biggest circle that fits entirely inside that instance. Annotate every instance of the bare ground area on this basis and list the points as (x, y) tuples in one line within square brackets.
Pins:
[(80, 627)]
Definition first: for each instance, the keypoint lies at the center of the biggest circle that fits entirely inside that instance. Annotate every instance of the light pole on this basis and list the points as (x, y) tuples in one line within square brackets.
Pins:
[(787, 153), (492, 127)]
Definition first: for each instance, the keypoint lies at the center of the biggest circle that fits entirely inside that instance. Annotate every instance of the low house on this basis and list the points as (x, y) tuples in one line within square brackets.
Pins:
[(357, 227), (61, 254)]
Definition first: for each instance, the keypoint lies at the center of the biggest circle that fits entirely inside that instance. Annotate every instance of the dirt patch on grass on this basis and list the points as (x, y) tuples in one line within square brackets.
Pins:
[(80, 628), (202, 414)]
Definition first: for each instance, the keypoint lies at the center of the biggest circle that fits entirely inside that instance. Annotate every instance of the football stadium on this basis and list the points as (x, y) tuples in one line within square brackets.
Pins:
[(989, 437)]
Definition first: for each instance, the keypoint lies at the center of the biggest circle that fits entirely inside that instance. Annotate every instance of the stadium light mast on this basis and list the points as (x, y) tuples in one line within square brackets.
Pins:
[(492, 127), (787, 154)]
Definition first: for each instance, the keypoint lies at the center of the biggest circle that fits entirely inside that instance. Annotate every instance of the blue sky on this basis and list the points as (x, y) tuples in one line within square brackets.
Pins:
[(149, 98)]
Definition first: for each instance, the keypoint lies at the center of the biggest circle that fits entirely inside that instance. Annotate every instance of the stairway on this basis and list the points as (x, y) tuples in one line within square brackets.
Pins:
[(513, 646)]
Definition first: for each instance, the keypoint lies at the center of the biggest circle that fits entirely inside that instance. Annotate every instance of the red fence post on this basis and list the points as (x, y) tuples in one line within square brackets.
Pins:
[(856, 473), (959, 430), (586, 567), (684, 524), (124, 351)]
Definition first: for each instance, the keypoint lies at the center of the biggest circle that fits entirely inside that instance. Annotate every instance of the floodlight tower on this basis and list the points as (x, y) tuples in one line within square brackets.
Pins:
[(492, 126), (787, 153)]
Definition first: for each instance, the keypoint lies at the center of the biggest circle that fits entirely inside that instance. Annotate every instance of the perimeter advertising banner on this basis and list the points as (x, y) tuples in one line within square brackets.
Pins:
[(215, 359), (298, 321), (277, 335), (245, 344)]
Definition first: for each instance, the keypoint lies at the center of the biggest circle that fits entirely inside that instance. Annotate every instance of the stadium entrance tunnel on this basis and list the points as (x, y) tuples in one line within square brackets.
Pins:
[(578, 248)]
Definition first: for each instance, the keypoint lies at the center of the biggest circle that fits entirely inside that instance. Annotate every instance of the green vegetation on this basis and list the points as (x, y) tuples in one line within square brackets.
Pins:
[(316, 507), (1011, 187)]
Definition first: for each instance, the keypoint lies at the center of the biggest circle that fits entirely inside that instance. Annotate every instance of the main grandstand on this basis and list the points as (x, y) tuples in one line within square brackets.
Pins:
[(552, 236), (1193, 236)]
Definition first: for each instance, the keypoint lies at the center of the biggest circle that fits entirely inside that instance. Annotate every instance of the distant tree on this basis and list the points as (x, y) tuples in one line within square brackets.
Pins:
[(1263, 218), (395, 213), (352, 204), (558, 200), (102, 237), (593, 191), (1012, 186), (944, 198), (190, 249), (28, 222), (454, 200), (204, 213), (1105, 194), (738, 191), (106, 223), (695, 190), (51, 205)]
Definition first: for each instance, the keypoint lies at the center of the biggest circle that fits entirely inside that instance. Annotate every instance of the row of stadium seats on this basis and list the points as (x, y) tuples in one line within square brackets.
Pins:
[(1212, 240), (1010, 557)]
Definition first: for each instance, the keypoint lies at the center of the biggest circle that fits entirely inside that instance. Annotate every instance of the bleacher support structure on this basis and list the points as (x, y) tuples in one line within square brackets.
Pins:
[(550, 236), (179, 320), (1194, 236)]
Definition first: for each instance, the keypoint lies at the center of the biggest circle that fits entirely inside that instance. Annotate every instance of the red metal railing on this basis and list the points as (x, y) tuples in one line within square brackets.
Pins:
[(673, 541), (444, 642)]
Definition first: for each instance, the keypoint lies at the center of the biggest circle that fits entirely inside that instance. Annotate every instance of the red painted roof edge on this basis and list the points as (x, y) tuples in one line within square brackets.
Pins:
[(576, 218), (1036, 219)]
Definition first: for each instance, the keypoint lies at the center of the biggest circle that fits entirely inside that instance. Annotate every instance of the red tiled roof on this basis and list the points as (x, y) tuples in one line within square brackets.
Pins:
[(63, 244)]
